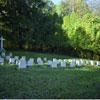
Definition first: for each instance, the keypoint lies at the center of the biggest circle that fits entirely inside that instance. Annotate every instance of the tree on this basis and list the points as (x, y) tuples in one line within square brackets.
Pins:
[(78, 6)]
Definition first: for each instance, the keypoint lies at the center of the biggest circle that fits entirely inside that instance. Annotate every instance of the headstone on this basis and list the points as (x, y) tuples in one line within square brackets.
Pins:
[(17, 62), (38, 59), (65, 60), (1, 61), (45, 59), (74, 60), (87, 62), (30, 62), (54, 65), (22, 64), (54, 59), (7, 58), (63, 64), (49, 62), (11, 61), (92, 63), (98, 63), (2, 39), (79, 64), (10, 54), (16, 58), (40, 62), (82, 62), (3, 54), (72, 64), (70, 60)]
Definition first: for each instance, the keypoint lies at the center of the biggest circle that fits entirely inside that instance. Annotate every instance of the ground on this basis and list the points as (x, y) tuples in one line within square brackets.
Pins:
[(44, 82)]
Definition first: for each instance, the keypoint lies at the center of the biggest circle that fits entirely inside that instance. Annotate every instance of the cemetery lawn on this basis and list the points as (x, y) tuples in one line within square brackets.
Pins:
[(44, 82)]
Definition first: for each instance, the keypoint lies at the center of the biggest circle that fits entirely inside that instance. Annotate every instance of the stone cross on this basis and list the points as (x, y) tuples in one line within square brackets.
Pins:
[(2, 43)]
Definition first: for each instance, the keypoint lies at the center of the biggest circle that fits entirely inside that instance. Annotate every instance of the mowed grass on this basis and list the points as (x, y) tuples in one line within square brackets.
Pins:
[(44, 82)]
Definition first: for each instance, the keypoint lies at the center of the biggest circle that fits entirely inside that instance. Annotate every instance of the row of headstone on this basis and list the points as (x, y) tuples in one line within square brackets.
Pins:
[(53, 63)]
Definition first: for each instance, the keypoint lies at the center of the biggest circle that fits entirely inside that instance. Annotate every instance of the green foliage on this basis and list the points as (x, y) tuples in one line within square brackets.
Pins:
[(83, 33)]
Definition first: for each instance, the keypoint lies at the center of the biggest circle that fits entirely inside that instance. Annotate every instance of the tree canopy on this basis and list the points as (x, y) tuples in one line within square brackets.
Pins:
[(71, 28)]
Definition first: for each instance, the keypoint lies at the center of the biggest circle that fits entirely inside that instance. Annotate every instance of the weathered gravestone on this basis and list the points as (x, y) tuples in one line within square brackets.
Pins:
[(45, 59), (87, 62), (30, 62), (79, 63), (65, 60), (3, 54), (16, 58), (72, 64), (10, 54), (54, 59), (38, 59), (98, 63), (92, 63), (49, 62), (1, 61), (11, 61), (7, 58), (2, 39), (63, 64), (82, 62), (22, 64), (40, 62), (54, 65)]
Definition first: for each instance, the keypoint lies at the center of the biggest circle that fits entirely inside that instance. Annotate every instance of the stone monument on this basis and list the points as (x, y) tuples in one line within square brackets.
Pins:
[(2, 39)]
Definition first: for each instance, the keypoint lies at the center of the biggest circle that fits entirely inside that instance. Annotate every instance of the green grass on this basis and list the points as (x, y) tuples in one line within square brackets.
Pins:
[(44, 82)]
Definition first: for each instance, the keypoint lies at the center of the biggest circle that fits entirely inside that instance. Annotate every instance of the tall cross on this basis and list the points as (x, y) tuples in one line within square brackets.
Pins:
[(2, 42)]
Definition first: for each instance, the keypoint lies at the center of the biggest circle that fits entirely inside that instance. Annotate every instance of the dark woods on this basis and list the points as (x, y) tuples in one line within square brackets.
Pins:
[(71, 28)]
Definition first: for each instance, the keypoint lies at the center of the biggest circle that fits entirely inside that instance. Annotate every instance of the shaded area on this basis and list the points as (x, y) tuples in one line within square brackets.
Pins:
[(48, 83)]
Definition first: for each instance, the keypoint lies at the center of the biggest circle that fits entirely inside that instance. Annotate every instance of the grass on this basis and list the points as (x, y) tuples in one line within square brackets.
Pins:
[(44, 82)]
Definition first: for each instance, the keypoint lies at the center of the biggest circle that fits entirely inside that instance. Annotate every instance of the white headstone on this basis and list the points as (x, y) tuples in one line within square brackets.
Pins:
[(2, 39), (65, 60), (22, 64), (38, 59), (1, 61), (92, 63), (17, 62), (72, 64), (10, 54), (98, 63), (87, 62), (11, 61), (49, 62), (63, 64), (7, 58), (54, 59), (82, 62), (79, 64), (30, 62), (3, 54), (45, 59), (16, 58), (40, 62), (54, 65)]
